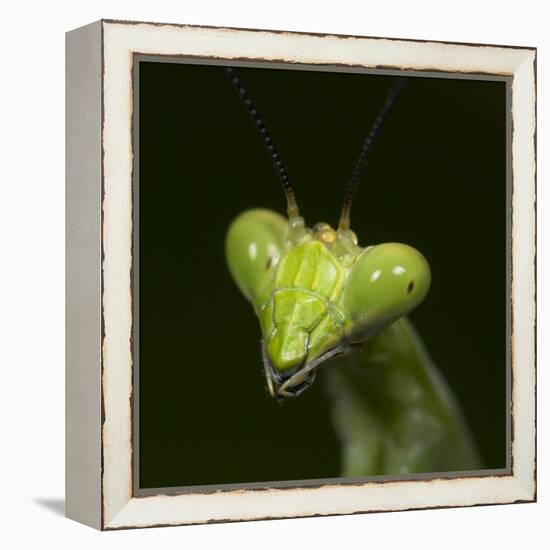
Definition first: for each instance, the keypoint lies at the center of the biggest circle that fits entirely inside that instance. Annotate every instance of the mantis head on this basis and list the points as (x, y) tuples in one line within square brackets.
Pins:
[(316, 293)]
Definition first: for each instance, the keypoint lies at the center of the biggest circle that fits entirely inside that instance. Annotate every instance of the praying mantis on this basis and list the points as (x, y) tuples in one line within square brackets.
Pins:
[(323, 300)]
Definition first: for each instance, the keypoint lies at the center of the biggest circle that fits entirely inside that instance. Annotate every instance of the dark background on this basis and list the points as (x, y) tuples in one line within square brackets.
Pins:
[(436, 181)]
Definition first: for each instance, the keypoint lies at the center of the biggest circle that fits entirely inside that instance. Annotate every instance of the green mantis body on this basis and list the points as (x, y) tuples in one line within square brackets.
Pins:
[(324, 301)]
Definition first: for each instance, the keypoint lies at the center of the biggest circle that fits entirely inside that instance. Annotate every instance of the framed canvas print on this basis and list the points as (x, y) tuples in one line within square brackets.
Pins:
[(300, 274)]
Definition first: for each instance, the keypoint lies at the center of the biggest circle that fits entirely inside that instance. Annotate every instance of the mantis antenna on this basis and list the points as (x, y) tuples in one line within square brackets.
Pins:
[(344, 223), (292, 207)]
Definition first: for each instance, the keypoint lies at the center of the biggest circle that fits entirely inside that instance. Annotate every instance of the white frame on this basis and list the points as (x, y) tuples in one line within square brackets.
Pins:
[(100, 60)]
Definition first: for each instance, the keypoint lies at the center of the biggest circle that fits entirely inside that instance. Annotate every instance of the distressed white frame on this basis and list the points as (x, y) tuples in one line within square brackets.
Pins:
[(99, 263)]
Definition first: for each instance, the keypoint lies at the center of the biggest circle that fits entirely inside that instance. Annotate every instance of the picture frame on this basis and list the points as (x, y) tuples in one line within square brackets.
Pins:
[(101, 280)]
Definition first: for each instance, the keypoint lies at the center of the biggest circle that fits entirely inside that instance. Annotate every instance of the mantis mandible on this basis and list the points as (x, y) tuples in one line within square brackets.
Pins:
[(323, 300)]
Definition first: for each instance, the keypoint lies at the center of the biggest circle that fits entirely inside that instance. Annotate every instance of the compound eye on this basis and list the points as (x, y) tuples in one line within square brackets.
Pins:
[(386, 282), (253, 246)]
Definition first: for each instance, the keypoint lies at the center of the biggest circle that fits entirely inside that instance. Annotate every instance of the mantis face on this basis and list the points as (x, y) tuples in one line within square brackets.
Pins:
[(316, 292)]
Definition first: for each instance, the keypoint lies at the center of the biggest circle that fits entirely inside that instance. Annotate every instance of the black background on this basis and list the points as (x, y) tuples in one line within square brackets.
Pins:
[(436, 180)]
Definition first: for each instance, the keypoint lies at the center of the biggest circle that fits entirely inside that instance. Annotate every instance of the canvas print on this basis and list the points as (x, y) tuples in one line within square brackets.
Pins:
[(321, 275)]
